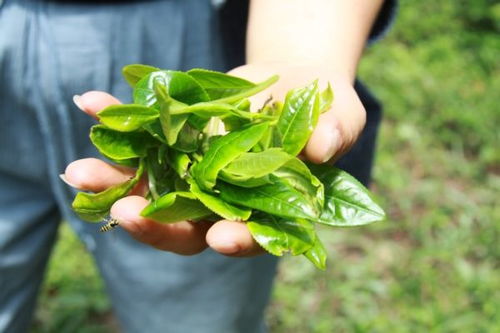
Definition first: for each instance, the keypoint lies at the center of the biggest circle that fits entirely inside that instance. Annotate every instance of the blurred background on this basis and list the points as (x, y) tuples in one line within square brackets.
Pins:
[(434, 266)]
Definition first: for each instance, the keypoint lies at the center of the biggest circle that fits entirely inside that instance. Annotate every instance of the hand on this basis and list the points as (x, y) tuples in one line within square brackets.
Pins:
[(335, 133), (338, 128), (187, 238)]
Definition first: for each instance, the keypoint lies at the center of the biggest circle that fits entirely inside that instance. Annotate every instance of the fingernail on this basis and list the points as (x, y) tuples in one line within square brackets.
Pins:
[(333, 145), (77, 101), (64, 179), (227, 248)]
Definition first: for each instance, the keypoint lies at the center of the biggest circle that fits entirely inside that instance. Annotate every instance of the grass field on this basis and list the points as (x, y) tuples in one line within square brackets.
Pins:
[(434, 265)]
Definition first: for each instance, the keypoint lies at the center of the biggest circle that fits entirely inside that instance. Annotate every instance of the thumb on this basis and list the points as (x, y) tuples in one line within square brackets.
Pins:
[(338, 128)]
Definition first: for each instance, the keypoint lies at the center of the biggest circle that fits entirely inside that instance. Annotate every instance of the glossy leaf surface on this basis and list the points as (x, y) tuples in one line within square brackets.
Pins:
[(278, 236), (219, 85), (298, 118), (326, 99), (120, 145), (219, 206), (317, 254), (175, 207), (180, 86), (249, 92), (347, 201), (224, 150), (94, 207), (135, 72), (255, 165), (127, 117), (277, 198)]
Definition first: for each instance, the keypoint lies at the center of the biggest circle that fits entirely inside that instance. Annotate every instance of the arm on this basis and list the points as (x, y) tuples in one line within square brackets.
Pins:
[(330, 34), (302, 40)]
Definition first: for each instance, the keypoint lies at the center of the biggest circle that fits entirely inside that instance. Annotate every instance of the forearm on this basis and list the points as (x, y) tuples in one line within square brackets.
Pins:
[(328, 34)]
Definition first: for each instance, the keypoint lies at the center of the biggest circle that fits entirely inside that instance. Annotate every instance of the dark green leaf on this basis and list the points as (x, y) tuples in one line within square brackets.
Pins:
[(134, 73), (120, 145), (127, 117), (219, 206), (180, 86), (219, 85), (94, 207), (224, 150), (277, 198), (347, 201), (154, 128), (281, 235), (298, 118), (176, 207)]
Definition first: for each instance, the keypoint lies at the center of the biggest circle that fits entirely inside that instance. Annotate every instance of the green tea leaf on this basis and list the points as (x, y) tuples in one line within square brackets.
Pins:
[(298, 118), (317, 254), (134, 73), (326, 99), (171, 125), (179, 162), (277, 198), (176, 207), (224, 150), (297, 175), (180, 86), (244, 181), (278, 236), (120, 145), (219, 206), (347, 201), (94, 207), (219, 85), (249, 92), (127, 117), (255, 165)]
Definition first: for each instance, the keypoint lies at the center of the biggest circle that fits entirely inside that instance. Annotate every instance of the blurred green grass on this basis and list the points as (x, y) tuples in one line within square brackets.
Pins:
[(434, 266)]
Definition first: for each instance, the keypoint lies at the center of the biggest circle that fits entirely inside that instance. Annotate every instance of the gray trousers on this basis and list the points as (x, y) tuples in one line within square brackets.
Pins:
[(50, 51)]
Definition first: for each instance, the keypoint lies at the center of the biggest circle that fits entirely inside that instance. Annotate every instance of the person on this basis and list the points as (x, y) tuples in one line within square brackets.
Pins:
[(54, 49)]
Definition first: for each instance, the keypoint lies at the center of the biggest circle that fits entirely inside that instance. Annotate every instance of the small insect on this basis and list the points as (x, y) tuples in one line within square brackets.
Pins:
[(111, 223)]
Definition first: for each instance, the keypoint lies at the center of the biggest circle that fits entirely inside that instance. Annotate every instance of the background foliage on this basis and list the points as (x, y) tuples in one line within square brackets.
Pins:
[(434, 266)]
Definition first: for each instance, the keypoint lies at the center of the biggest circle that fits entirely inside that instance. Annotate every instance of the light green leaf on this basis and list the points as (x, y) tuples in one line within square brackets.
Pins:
[(175, 207), (127, 117), (134, 73), (223, 150), (298, 118), (317, 254), (94, 207), (219, 85), (278, 236), (255, 165), (326, 99), (219, 206)]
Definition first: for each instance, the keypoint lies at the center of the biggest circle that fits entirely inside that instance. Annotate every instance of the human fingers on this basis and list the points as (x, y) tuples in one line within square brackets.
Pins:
[(337, 129), (233, 239), (186, 238), (92, 174), (92, 102)]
